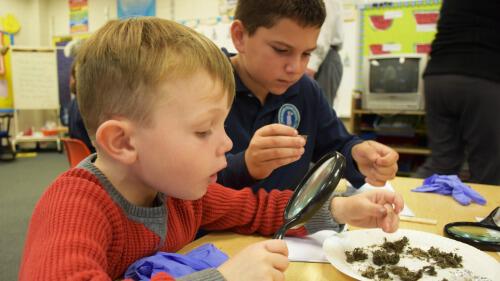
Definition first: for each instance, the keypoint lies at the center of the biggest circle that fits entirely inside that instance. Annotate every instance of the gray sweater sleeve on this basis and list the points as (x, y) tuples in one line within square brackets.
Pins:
[(204, 275), (323, 219)]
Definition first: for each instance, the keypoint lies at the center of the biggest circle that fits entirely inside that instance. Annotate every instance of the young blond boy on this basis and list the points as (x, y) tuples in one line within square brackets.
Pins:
[(274, 40), (154, 95)]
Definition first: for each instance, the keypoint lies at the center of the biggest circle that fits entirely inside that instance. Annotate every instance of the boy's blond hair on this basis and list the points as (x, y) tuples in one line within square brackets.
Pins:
[(120, 67)]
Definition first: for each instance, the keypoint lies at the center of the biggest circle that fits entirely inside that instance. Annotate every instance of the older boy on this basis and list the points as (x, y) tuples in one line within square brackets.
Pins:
[(274, 40), (154, 96)]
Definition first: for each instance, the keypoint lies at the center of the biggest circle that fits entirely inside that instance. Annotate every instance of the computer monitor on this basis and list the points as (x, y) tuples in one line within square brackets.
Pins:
[(394, 82)]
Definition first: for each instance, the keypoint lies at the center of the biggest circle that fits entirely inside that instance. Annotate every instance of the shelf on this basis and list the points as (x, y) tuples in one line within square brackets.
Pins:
[(387, 112), (402, 130), (36, 138), (412, 150)]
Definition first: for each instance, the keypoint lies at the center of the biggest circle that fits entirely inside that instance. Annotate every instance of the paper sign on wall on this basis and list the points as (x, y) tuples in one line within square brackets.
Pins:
[(78, 16)]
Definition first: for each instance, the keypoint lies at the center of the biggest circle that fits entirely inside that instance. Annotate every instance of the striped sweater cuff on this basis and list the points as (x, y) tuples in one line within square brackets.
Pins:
[(204, 275), (323, 219)]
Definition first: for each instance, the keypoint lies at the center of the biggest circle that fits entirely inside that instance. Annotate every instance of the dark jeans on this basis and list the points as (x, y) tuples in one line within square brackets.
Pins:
[(463, 121)]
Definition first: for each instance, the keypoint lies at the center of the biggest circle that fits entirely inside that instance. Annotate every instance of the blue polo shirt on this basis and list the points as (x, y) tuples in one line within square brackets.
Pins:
[(325, 133)]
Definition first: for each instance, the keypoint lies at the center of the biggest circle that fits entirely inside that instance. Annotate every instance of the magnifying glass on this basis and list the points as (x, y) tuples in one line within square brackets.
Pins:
[(484, 235), (312, 192)]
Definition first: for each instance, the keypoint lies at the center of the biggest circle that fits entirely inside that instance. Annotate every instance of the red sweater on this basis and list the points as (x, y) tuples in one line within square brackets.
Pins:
[(77, 232)]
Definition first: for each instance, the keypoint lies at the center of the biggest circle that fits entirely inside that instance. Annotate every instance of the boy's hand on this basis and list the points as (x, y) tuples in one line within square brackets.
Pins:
[(378, 162), (265, 260), (271, 147), (375, 208)]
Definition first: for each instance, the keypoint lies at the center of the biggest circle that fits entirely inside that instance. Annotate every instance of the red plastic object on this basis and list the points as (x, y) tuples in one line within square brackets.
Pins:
[(49, 132), (76, 150)]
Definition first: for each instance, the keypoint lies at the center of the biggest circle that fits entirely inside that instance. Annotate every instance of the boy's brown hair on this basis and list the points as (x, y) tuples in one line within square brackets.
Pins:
[(120, 67), (265, 13)]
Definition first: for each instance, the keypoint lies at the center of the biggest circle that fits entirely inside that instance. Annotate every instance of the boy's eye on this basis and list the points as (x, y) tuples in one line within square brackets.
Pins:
[(307, 54), (204, 134), (279, 50)]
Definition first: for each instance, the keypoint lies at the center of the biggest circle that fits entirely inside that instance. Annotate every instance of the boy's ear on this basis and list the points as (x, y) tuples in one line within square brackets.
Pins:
[(238, 35), (115, 139)]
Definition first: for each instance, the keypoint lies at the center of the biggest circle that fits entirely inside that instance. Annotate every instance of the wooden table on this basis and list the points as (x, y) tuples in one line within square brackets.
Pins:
[(426, 205)]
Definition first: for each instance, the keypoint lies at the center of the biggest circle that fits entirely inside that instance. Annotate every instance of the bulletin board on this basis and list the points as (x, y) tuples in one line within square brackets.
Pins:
[(34, 78), (402, 27)]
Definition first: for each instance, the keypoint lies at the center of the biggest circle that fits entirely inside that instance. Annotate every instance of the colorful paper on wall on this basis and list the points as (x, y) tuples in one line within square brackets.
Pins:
[(135, 8), (78, 16), (409, 25)]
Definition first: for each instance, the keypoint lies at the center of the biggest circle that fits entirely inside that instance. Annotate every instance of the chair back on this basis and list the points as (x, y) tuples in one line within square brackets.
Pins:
[(5, 125), (7, 151), (76, 150)]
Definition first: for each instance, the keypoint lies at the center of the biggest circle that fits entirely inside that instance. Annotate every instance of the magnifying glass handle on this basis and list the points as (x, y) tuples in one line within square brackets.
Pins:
[(490, 219), (280, 233)]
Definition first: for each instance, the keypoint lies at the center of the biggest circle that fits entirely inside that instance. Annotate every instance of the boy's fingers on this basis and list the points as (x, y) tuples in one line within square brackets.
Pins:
[(276, 246), (277, 154), (370, 154), (374, 210), (398, 203), (277, 275), (279, 261), (387, 172), (279, 256), (388, 159), (277, 130), (390, 222), (281, 162), (395, 200), (273, 142)]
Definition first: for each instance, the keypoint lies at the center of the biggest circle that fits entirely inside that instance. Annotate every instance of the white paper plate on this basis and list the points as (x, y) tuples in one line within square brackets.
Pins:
[(476, 264)]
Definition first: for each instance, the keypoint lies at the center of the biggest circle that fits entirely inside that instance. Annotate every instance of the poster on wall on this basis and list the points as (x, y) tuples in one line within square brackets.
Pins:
[(407, 27), (135, 8), (78, 16)]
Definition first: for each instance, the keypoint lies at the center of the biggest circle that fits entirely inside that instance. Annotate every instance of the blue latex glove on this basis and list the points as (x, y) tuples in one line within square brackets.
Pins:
[(451, 185), (176, 265)]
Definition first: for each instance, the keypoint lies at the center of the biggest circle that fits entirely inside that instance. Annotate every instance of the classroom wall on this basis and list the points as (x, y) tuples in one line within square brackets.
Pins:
[(43, 19), (101, 11), (27, 13), (194, 9)]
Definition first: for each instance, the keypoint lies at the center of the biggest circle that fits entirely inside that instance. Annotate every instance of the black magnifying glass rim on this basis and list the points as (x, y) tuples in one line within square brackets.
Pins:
[(482, 245), (327, 188)]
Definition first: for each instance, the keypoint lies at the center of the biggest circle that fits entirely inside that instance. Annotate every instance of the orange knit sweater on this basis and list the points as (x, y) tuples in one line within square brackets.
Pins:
[(77, 232)]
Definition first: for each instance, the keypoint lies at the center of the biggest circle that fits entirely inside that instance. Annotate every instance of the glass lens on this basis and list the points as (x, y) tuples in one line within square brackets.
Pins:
[(312, 186), (478, 233)]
